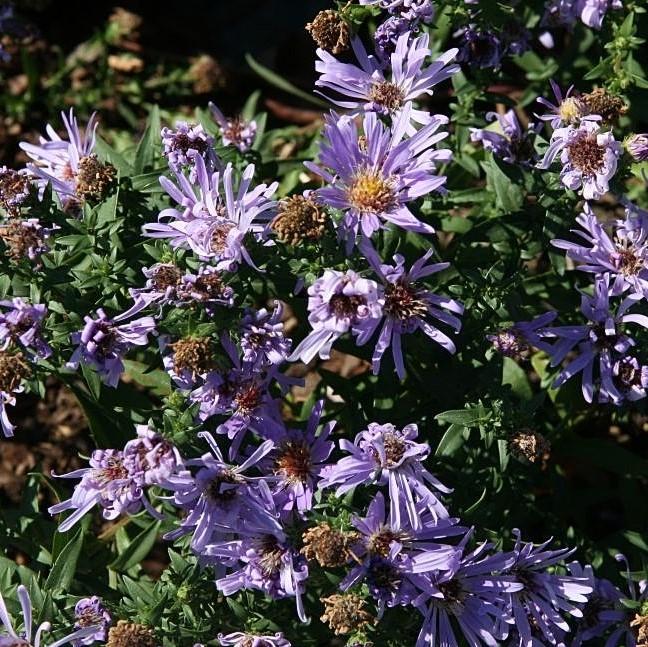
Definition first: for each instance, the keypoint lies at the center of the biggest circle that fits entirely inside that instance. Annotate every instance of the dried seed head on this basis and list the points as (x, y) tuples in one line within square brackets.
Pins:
[(207, 74), (300, 219), (330, 31), (529, 445), (94, 178), (130, 634), (609, 106), (194, 354), (21, 239), (14, 189), (640, 627), (166, 276), (326, 545), (13, 369), (345, 614)]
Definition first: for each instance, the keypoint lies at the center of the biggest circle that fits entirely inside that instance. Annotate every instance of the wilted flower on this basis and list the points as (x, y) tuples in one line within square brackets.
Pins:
[(71, 166), (330, 31), (409, 307), (609, 107), (13, 370), (90, 612), (346, 614), (14, 189), (190, 361), (529, 445), (374, 178), (214, 224), (182, 139), (300, 219), (369, 89), (33, 636), (25, 238), (637, 146), (512, 144), (103, 343), (237, 131), (127, 634), (337, 302), (589, 158), (20, 324), (385, 455), (328, 546)]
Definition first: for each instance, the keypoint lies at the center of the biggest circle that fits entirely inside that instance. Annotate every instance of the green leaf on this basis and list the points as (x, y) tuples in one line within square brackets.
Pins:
[(139, 547), (516, 377), (281, 83), (62, 573), (451, 441), (502, 179), (157, 379), (477, 503), (147, 145), (464, 417)]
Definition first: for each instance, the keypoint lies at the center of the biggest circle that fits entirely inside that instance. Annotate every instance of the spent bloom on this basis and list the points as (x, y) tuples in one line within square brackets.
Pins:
[(589, 158), (179, 141), (212, 218), (20, 324), (13, 370), (32, 636), (90, 612), (512, 144), (409, 307), (598, 343), (385, 455), (370, 88), (25, 238), (70, 165), (15, 187), (372, 178), (338, 302), (103, 343), (237, 132)]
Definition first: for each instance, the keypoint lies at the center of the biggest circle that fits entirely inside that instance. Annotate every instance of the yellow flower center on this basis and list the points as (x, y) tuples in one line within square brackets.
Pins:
[(570, 110), (371, 193)]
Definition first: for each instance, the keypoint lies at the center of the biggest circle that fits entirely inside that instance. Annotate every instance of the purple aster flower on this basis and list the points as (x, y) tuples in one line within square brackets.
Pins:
[(512, 144), (241, 639), (298, 461), (600, 341), (637, 146), (107, 483), (373, 177), (338, 302), (370, 88), (630, 379), (262, 338), (592, 12), (214, 219), (261, 560), (601, 611), (470, 595), (516, 37), (70, 165), (589, 158), (15, 187), (620, 250), (179, 141), (236, 132), (162, 283), (90, 612), (218, 497), (102, 344), (25, 238), (385, 455), (545, 596), (412, 10), (206, 287), (32, 636), (480, 48), (13, 370), (408, 307), (21, 324), (568, 109), (387, 34), (150, 459)]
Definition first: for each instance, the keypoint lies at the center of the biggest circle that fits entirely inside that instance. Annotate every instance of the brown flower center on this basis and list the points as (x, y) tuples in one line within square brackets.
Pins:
[(218, 242), (166, 276), (402, 301), (387, 94), (343, 306), (219, 489), (380, 542), (194, 354), (94, 178), (13, 369), (294, 461), (586, 154), (183, 143)]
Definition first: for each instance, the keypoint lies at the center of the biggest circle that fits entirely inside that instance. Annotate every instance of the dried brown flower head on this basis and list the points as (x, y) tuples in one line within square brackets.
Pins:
[(94, 178), (328, 546), (330, 31), (600, 102), (300, 219), (529, 445), (345, 614), (130, 634)]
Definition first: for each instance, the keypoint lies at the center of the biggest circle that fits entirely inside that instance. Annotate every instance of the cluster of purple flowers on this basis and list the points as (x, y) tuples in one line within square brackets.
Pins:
[(565, 13)]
